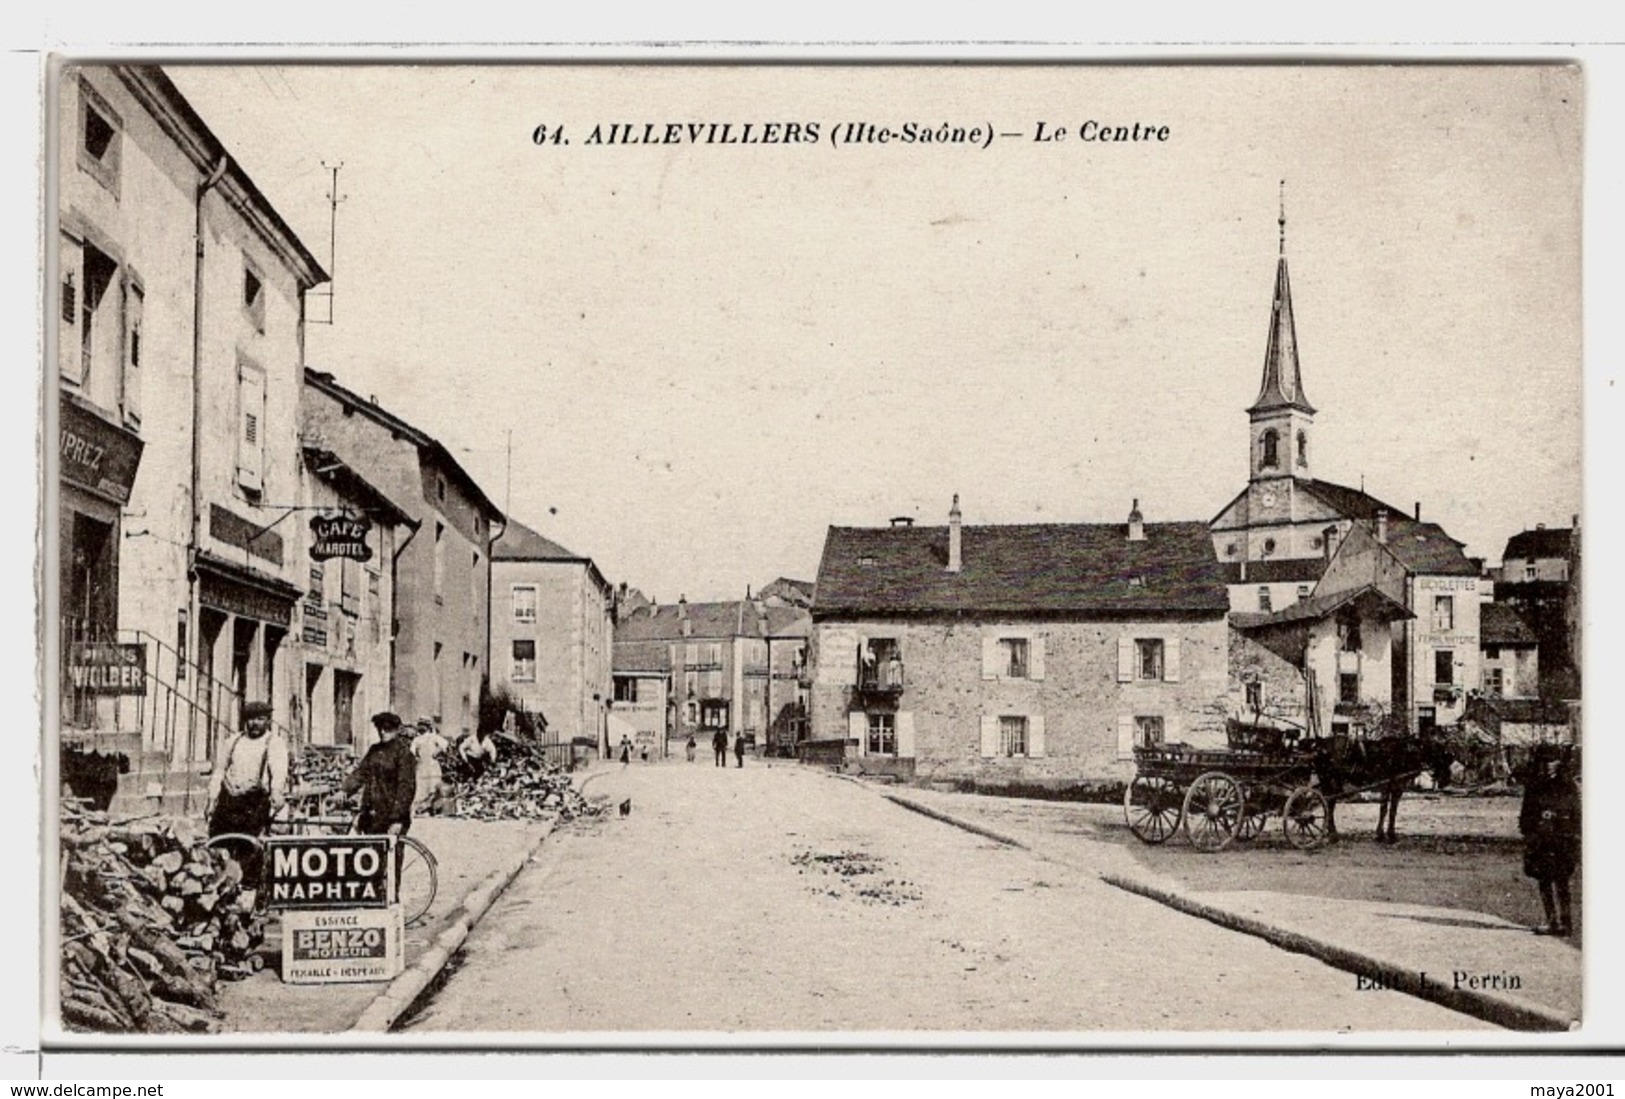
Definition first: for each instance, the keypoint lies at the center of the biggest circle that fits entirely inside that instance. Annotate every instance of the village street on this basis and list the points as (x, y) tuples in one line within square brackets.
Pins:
[(774, 898)]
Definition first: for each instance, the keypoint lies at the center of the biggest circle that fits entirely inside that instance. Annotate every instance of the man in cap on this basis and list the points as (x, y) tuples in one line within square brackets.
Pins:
[(249, 784), (387, 780)]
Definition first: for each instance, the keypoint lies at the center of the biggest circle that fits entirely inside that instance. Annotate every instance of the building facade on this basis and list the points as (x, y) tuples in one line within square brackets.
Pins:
[(1509, 654), (1017, 653), (440, 657), (180, 295), (552, 633), (1539, 579)]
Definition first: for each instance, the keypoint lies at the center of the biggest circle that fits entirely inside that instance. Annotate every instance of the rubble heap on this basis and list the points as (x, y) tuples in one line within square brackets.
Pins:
[(152, 919), (520, 785)]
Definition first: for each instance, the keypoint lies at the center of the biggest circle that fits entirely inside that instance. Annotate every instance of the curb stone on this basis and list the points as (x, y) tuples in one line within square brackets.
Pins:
[(1512, 1012), (390, 1004)]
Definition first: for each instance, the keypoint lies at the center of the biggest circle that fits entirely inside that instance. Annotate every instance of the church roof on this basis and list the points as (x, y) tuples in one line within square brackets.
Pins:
[(1283, 382)]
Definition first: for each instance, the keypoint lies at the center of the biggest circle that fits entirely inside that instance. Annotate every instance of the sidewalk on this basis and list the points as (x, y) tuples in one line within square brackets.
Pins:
[(468, 853), (1472, 962)]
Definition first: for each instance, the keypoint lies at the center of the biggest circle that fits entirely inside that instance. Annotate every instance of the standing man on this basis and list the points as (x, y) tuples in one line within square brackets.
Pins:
[(387, 780), (1550, 823), (250, 783), (739, 748), (719, 745)]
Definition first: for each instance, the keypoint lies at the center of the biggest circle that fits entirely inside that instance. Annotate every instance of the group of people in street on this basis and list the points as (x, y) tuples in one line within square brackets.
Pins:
[(398, 777), (719, 746)]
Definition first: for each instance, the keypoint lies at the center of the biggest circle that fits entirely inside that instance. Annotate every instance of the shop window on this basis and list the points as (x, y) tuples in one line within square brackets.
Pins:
[(524, 661), (99, 139), (1444, 613), (882, 734), (1012, 735)]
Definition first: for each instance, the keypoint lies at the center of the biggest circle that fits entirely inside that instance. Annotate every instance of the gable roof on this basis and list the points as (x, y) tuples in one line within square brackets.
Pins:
[(1541, 542), (1500, 624), (1078, 568), (1426, 550), (1370, 599), (652, 657), (520, 543), (1356, 503)]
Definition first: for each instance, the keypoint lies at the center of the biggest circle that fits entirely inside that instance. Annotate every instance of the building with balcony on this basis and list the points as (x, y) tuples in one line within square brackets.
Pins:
[(440, 655), (1022, 652), (179, 293), (552, 631)]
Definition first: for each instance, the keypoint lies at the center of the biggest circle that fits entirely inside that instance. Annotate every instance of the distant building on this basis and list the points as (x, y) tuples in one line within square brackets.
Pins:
[(785, 592), (1509, 653), (1017, 652), (440, 630), (180, 326), (642, 705), (735, 666), (552, 632), (1539, 578)]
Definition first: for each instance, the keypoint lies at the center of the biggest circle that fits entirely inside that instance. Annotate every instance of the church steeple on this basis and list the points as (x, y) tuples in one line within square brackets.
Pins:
[(1283, 383)]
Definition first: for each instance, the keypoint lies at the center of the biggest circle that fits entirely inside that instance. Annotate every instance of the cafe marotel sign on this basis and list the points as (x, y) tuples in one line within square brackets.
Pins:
[(343, 536)]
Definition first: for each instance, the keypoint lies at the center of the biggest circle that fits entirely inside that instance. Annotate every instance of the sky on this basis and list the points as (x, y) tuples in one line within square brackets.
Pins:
[(707, 353)]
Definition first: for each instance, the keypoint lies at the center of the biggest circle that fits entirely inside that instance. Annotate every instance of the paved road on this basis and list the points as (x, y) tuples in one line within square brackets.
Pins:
[(780, 899)]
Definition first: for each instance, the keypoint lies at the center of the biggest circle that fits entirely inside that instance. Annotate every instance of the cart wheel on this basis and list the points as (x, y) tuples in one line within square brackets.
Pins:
[(419, 879), (1304, 820), (1151, 807), (1251, 825), (1214, 811)]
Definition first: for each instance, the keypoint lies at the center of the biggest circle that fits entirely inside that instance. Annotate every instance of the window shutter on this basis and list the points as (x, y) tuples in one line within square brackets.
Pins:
[(1035, 736), (251, 439), (1125, 660), (990, 656), (905, 734), (1170, 660), (134, 305), (857, 728), (990, 736), (1035, 658), (1125, 737), (71, 265)]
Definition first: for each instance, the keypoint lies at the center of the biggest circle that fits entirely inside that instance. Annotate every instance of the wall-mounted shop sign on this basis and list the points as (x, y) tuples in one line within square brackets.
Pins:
[(340, 536)]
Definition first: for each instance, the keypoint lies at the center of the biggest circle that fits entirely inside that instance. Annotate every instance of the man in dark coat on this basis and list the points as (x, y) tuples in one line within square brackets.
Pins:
[(1550, 823), (719, 745), (387, 780)]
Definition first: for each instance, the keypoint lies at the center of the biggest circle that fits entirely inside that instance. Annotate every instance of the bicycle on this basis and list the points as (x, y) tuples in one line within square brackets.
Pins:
[(324, 812)]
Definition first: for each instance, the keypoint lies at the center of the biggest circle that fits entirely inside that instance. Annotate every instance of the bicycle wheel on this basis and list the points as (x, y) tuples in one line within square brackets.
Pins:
[(418, 881)]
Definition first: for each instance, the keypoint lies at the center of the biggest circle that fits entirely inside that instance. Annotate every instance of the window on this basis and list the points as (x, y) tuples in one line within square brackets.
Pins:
[(524, 661), (1230, 549), (99, 143), (524, 602), (1494, 682), (1269, 547), (1148, 654), (90, 303), (1492, 652), (1303, 591), (1444, 613), (1444, 667), (439, 561), (691, 713), (626, 689), (1149, 731), (1348, 688), (1264, 599), (880, 663), (1529, 571), (1014, 657), (882, 734), (251, 436), (1012, 736), (253, 296), (1271, 443), (1303, 448), (1348, 635), (1255, 696)]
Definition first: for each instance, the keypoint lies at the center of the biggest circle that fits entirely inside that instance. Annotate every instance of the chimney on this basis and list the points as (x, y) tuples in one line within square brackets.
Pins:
[(954, 558), (1136, 523), (1540, 526), (682, 606), (902, 520), (1382, 525), (1418, 511)]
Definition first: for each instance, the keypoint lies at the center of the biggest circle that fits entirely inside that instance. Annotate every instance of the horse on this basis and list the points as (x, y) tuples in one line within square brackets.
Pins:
[(1386, 764)]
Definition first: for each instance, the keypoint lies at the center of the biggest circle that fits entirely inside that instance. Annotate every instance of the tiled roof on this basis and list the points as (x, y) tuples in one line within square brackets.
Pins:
[(1500, 624), (1278, 570), (1045, 568), (640, 656), (1426, 550), (1355, 503), (1545, 542), (711, 621), (1374, 603), (520, 543)]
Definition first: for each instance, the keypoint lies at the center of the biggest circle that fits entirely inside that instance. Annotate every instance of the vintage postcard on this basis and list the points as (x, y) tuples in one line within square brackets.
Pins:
[(791, 555)]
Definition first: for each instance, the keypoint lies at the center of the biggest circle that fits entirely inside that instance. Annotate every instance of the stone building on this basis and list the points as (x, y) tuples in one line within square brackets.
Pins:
[(1539, 579), (179, 293), (1022, 652), (440, 656), (1509, 653), (552, 630)]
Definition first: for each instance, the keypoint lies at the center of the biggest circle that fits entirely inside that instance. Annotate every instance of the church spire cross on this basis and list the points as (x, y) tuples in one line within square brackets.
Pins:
[(1281, 221)]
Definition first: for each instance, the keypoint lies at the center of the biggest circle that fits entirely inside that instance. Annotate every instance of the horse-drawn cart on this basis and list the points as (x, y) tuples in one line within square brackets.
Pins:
[(1221, 794)]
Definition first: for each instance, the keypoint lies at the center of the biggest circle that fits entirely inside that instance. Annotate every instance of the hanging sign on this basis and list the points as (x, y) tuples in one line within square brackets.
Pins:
[(340, 536)]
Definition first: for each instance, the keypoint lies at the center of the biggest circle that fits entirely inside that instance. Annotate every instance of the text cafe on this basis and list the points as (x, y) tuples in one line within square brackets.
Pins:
[(340, 917)]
